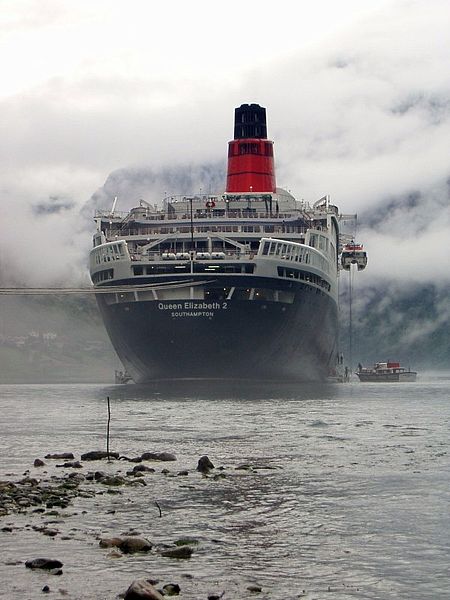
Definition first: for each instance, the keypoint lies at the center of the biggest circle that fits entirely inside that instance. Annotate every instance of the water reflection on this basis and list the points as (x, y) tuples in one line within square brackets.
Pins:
[(202, 389)]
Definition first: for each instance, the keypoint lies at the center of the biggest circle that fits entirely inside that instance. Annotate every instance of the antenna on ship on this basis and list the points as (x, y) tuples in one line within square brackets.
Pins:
[(113, 207)]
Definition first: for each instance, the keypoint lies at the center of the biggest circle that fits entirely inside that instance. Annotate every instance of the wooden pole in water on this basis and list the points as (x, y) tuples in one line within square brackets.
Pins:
[(107, 428)]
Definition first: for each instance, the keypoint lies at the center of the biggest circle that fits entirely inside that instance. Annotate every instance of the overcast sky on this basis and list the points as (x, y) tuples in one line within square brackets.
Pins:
[(357, 94)]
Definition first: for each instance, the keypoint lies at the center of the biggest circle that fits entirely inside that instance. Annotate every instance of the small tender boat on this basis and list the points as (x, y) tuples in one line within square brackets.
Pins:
[(122, 377), (385, 371)]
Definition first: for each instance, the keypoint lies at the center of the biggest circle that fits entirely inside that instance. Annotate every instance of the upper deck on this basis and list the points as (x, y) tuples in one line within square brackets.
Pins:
[(252, 215)]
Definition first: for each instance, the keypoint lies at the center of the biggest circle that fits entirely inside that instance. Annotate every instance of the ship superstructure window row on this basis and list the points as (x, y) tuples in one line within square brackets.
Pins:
[(104, 275), (145, 230), (241, 268), (109, 252), (258, 295), (304, 276)]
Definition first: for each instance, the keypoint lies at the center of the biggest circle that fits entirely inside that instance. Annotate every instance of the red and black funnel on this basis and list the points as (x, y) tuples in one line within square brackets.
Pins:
[(250, 154)]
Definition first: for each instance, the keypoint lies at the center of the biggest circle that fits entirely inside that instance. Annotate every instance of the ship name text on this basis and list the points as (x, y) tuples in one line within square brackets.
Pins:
[(190, 308)]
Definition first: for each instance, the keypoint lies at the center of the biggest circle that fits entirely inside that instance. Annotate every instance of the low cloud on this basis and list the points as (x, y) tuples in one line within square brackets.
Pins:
[(363, 116)]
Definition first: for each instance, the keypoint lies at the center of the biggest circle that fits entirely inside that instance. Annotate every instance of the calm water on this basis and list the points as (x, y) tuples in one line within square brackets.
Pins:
[(348, 496)]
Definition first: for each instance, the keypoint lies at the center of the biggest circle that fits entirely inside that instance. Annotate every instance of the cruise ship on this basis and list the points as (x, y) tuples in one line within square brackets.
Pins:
[(242, 284)]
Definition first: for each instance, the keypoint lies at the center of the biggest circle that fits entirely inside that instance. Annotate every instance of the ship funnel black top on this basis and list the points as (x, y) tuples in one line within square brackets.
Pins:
[(250, 122)]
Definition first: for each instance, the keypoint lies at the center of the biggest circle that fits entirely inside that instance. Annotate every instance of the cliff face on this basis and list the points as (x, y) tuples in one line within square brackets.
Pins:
[(410, 323)]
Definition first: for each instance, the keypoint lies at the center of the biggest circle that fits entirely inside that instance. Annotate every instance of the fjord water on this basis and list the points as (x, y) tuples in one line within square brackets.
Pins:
[(345, 495)]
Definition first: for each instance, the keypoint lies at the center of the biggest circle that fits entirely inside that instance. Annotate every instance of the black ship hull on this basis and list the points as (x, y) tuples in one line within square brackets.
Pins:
[(223, 338)]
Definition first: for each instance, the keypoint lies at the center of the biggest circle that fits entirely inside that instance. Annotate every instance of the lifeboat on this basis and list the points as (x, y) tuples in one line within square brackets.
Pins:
[(353, 254)]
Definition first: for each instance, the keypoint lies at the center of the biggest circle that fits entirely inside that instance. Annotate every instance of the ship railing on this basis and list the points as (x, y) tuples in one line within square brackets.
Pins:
[(113, 234), (203, 214), (197, 255), (285, 250)]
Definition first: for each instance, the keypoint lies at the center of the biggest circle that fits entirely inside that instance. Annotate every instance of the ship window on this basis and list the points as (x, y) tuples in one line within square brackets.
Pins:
[(125, 297), (217, 293), (138, 270), (249, 148), (286, 297), (268, 149), (304, 276), (241, 294), (104, 275), (264, 294)]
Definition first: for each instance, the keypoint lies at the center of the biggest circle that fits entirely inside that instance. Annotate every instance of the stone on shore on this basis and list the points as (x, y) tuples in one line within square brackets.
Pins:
[(38, 463), (171, 589), (178, 552), (112, 480), (61, 456), (162, 456), (98, 455), (110, 542), (128, 544), (135, 544), (43, 563), (139, 470), (204, 464), (74, 464), (141, 589)]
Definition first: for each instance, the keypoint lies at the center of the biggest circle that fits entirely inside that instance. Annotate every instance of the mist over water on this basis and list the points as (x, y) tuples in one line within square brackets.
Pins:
[(345, 490)]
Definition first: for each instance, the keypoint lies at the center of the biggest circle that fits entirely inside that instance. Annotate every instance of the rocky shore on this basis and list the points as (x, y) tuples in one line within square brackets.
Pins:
[(49, 489)]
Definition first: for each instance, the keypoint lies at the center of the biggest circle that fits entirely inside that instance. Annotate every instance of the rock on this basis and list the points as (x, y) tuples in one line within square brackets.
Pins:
[(204, 465), (38, 463), (163, 456), (185, 542), (135, 459), (112, 480), (135, 544), (178, 552), (29, 481), (46, 589), (75, 464), (61, 456), (43, 563), (171, 589), (141, 589), (76, 477), (98, 455), (254, 588), (143, 468), (110, 542)]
